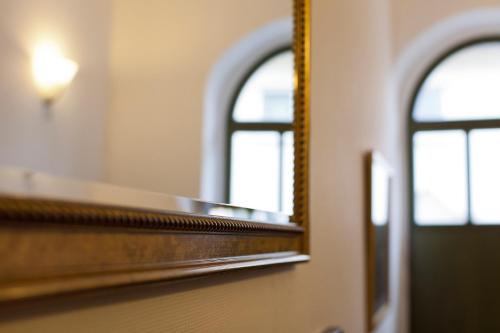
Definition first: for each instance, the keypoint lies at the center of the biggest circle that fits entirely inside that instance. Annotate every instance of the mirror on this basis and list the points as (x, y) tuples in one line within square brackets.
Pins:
[(191, 98)]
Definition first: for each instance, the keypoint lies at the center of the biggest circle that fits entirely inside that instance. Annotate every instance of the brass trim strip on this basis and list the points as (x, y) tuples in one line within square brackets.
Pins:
[(301, 123)]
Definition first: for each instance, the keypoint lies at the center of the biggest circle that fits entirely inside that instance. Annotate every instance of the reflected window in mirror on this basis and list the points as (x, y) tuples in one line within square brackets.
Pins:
[(260, 136)]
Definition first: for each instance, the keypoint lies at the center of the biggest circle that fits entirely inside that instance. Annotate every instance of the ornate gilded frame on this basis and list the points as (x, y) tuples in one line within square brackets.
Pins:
[(53, 245), (377, 245)]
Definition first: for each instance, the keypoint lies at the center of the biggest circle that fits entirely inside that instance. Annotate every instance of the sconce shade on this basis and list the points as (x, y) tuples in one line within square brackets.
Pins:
[(52, 72)]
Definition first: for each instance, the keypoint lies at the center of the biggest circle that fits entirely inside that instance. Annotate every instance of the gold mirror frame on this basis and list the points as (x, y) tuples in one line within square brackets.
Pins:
[(51, 246)]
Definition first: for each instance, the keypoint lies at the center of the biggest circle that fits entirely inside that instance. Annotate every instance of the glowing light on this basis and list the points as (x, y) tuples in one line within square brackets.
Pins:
[(52, 71)]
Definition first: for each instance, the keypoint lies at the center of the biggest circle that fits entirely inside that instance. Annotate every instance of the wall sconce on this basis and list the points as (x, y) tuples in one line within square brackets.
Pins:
[(52, 72)]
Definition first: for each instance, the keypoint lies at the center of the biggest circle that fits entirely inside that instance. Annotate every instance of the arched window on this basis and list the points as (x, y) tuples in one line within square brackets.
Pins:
[(259, 161), (455, 138)]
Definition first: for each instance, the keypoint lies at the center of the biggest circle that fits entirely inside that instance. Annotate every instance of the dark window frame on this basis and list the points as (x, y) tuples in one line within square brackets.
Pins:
[(234, 126), (467, 126)]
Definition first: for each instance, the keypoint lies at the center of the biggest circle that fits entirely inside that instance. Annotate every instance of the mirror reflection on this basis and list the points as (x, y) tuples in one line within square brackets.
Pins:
[(191, 98)]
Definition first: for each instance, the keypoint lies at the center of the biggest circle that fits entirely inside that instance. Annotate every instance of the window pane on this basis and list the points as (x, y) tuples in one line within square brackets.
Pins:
[(485, 176), (267, 96), (440, 176), (463, 87), (287, 174), (255, 170)]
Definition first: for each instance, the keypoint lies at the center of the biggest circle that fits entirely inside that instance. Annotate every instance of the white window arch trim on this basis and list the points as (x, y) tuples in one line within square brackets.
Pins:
[(416, 59)]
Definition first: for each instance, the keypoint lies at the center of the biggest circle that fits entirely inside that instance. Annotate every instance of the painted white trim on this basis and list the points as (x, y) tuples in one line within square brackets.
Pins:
[(436, 41), (221, 84)]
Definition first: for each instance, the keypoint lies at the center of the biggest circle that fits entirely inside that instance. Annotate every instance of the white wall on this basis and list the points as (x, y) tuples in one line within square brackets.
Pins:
[(68, 139), (158, 83), (352, 114)]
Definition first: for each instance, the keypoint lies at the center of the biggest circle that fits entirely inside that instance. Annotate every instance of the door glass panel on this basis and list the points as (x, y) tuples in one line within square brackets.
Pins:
[(463, 87), (255, 160), (485, 176), (440, 176)]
